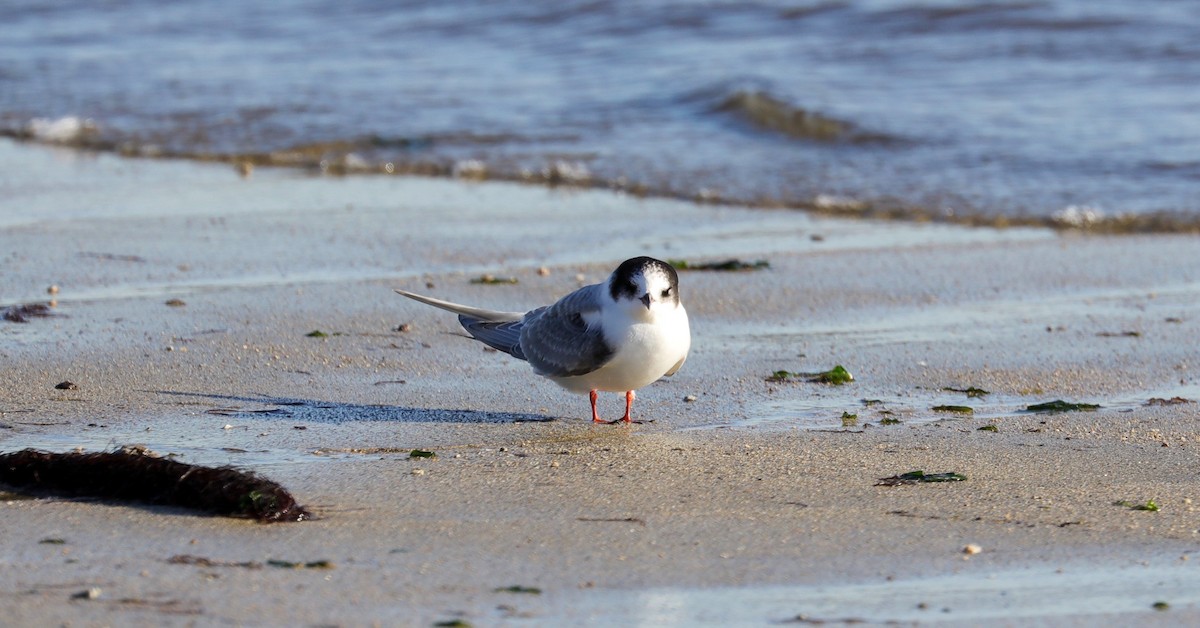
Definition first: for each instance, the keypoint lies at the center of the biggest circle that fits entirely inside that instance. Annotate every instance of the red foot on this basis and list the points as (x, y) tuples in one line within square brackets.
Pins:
[(629, 397), (595, 416)]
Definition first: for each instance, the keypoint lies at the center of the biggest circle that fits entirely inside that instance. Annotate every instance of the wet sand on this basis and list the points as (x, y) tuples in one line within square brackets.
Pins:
[(750, 504)]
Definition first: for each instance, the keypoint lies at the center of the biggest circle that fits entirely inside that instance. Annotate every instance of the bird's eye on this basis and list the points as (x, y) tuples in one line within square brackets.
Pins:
[(666, 293)]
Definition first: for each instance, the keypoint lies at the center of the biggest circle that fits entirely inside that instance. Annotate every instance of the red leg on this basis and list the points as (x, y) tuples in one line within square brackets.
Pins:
[(629, 397), (595, 415)]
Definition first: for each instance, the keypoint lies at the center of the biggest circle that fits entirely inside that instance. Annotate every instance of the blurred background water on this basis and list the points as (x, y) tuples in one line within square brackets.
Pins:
[(1025, 111)]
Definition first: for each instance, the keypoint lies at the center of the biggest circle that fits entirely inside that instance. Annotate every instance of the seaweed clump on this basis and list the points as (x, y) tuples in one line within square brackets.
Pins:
[(1058, 405), (836, 376), (918, 477), (132, 475), (729, 265), (22, 313), (492, 280), (765, 111), (954, 409)]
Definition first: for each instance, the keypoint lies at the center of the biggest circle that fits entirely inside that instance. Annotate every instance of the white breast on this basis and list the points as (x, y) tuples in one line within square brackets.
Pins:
[(646, 351)]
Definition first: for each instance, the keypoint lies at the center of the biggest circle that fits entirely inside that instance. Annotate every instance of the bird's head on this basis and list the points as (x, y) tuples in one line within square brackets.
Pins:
[(645, 287)]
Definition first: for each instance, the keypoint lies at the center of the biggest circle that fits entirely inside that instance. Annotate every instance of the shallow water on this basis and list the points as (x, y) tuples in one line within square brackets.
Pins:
[(824, 411), (1038, 593), (1076, 109)]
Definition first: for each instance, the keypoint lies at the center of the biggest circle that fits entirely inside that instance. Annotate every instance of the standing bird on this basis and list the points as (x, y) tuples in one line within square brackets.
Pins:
[(615, 336)]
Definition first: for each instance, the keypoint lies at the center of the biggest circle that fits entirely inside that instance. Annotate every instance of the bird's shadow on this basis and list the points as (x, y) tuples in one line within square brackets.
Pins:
[(321, 411)]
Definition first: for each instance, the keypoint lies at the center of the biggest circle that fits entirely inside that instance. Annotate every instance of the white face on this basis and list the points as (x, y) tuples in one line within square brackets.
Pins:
[(645, 288), (654, 295)]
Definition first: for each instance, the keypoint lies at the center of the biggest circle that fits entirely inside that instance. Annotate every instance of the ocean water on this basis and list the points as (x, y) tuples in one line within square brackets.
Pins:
[(1083, 112)]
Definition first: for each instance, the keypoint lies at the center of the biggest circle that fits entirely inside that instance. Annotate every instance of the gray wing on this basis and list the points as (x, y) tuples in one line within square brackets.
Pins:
[(557, 341), (505, 335)]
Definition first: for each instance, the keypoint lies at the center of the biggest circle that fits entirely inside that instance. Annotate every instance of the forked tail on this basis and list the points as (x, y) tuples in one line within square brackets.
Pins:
[(490, 316), (499, 330)]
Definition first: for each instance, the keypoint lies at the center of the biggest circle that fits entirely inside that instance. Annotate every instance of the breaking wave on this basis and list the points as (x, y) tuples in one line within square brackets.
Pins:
[(374, 155)]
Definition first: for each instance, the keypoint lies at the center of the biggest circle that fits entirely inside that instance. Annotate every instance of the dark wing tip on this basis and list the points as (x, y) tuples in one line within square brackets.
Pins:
[(504, 336)]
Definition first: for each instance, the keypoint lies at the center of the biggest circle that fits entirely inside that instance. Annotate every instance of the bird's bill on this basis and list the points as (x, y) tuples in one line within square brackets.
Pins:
[(645, 299)]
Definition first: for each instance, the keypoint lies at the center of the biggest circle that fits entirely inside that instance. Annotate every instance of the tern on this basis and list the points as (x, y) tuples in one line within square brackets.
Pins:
[(615, 336)]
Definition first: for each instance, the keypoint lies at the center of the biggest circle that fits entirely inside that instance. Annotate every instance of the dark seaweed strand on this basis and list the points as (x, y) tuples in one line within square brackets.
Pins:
[(130, 476)]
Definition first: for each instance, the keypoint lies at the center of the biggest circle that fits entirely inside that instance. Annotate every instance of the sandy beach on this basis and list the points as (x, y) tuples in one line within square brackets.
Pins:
[(186, 298)]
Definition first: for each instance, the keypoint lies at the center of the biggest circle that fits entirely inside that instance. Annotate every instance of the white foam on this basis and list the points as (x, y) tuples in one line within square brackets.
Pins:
[(833, 201), (571, 172), (469, 169), (1078, 215), (61, 130)]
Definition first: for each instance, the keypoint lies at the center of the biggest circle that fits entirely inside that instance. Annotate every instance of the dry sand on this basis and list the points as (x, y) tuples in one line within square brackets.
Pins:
[(748, 505)]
